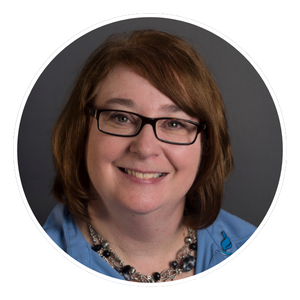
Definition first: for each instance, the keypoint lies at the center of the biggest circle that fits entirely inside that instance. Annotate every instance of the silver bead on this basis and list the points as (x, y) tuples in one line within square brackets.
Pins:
[(188, 239), (132, 271), (105, 244)]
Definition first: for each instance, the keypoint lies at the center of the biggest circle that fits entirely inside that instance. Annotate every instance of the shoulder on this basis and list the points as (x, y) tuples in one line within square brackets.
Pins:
[(63, 230), (221, 239), (232, 228), (235, 225), (55, 223), (56, 215)]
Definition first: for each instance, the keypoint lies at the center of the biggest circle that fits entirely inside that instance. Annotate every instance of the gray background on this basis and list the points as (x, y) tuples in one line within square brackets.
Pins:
[(253, 121)]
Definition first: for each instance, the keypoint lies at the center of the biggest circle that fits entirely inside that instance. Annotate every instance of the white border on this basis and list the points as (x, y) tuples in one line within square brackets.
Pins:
[(34, 78)]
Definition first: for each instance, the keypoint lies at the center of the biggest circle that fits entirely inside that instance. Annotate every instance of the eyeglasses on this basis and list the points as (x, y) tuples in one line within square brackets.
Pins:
[(128, 124)]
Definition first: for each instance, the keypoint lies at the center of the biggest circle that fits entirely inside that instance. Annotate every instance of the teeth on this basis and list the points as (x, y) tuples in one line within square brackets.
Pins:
[(143, 175)]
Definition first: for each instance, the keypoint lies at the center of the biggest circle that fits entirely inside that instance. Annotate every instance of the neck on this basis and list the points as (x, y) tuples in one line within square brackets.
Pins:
[(148, 241)]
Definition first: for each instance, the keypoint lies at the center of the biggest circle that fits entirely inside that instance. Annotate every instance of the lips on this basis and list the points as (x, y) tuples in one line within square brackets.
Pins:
[(142, 175)]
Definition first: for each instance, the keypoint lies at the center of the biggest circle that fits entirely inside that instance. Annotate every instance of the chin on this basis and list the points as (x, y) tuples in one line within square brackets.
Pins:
[(142, 205)]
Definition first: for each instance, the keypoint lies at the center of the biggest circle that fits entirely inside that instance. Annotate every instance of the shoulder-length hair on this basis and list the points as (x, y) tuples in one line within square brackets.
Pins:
[(173, 67)]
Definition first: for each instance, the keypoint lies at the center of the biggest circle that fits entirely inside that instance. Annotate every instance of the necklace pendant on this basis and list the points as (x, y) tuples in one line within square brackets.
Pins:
[(125, 272), (188, 263)]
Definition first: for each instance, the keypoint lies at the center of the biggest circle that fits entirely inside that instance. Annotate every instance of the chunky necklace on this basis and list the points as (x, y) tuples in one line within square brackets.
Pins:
[(185, 261)]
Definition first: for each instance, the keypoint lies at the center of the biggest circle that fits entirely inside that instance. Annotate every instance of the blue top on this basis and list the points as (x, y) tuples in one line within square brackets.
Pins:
[(215, 243)]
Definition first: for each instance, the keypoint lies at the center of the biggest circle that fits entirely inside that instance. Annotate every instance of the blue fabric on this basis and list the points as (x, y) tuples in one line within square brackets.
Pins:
[(215, 243)]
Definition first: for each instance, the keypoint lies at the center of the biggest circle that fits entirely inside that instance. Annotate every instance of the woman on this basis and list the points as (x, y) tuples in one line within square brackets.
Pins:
[(141, 153)]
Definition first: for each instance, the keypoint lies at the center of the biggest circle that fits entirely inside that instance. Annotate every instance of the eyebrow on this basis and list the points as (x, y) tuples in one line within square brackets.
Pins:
[(168, 108), (119, 101)]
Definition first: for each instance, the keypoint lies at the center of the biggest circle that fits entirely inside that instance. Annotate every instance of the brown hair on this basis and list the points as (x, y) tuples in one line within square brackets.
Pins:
[(173, 67)]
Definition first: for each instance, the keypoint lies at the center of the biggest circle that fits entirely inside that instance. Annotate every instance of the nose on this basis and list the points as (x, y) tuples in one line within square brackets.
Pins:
[(145, 144)]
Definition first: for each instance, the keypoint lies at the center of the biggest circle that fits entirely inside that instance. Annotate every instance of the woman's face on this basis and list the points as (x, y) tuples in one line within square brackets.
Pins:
[(107, 156)]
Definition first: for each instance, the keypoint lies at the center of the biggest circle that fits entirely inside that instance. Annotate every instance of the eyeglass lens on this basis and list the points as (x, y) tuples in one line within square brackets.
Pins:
[(128, 124)]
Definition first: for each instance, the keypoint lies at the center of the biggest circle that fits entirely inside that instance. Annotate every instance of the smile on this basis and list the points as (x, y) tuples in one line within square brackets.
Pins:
[(143, 175)]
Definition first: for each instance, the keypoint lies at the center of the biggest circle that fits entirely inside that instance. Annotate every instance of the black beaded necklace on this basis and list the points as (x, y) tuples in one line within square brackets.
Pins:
[(185, 262)]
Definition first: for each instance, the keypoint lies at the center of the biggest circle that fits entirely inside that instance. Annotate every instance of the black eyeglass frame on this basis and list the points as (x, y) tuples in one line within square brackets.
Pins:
[(95, 113)]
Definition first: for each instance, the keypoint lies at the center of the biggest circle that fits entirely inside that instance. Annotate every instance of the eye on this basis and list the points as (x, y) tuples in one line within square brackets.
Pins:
[(121, 119), (175, 124)]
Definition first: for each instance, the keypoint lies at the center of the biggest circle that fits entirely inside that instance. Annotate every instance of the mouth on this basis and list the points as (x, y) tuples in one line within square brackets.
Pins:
[(142, 175)]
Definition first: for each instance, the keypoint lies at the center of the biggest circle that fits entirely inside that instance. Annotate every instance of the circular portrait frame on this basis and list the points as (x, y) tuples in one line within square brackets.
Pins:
[(254, 116)]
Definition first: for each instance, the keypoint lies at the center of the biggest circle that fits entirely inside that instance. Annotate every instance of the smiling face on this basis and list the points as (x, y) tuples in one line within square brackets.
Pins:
[(139, 174)]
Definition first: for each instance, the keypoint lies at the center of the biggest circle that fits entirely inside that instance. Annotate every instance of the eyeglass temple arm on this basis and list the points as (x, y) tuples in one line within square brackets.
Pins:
[(201, 127), (92, 112)]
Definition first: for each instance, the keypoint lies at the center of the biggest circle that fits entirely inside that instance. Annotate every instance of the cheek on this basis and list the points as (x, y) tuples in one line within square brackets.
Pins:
[(91, 148), (101, 152), (187, 160), (96, 153)]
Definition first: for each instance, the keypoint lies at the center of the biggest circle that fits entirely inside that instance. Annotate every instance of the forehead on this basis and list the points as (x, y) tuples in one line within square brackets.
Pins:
[(125, 88)]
